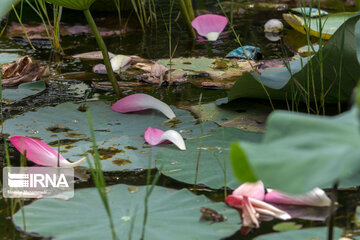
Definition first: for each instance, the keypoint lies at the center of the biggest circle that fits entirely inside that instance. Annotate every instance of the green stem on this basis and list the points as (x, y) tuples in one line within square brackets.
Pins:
[(357, 4), (186, 18), (104, 51), (190, 9)]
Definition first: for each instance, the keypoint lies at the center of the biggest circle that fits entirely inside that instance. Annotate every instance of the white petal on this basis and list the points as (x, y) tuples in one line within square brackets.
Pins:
[(174, 137)]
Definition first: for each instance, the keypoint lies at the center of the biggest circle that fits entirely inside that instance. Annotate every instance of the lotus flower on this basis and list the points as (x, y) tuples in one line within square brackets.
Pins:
[(41, 153), (139, 102), (248, 198), (251, 201), (155, 136), (209, 25)]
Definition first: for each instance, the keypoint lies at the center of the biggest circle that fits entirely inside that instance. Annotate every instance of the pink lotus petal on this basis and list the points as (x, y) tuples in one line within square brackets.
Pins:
[(315, 197), (139, 101), (253, 190), (155, 136), (41, 153), (209, 25)]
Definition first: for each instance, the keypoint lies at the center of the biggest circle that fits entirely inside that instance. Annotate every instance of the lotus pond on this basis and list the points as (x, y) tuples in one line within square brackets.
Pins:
[(187, 121)]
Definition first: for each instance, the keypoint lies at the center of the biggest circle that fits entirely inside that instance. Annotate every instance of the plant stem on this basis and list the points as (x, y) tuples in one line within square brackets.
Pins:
[(186, 18), (104, 51), (189, 9), (332, 208)]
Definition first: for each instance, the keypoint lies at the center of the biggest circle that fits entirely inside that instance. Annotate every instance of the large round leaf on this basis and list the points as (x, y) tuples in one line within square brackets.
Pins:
[(73, 4), (119, 136), (300, 152), (170, 213), (319, 233), (5, 6), (214, 163), (22, 91)]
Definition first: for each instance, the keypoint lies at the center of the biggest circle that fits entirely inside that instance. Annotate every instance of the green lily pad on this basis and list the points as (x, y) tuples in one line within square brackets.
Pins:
[(312, 12), (171, 213), (248, 117), (299, 151), (119, 136), (214, 150), (8, 57), (22, 91), (319, 233), (329, 24), (218, 68), (344, 45), (286, 226)]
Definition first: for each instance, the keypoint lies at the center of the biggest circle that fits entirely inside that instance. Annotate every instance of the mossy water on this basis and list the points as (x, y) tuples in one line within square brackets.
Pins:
[(67, 71)]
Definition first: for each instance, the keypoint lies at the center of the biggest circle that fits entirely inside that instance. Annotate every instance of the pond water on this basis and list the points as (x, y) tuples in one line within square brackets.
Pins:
[(153, 44)]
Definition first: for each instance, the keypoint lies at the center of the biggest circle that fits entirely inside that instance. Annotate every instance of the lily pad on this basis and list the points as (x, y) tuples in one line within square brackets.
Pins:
[(312, 12), (22, 91), (286, 226), (301, 150), (344, 45), (319, 233), (219, 68), (248, 117), (8, 57), (119, 136), (329, 24), (214, 150), (84, 217)]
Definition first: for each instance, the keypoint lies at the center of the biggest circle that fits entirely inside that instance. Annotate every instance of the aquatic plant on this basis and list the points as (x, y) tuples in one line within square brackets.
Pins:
[(209, 25), (188, 15), (155, 136), (139, 101), (40, 153), (84, 6)]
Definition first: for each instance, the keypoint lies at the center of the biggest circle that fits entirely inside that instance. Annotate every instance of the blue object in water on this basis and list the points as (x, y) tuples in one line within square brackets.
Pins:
[(245, 52)]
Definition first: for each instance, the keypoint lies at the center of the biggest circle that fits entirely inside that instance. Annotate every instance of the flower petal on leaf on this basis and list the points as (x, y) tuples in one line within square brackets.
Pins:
[(209, 25), (41, 153), (316, 197), (155, 136), (120, 63), (139, 102)]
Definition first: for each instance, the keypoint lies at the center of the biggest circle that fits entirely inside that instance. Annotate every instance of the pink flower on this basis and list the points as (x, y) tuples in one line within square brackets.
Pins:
[(139, 102), (209, 25), (41, 153), (251, 202), (155, 136)]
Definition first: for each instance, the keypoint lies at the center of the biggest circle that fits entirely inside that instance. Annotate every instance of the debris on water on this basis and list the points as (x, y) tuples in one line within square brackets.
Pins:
[(245, 52), (23, 70), (121, 162), (58, 128), (94, 55)]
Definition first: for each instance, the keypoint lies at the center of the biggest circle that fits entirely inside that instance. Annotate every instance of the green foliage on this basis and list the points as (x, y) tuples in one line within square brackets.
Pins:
[(73, 4), (300, 152), (23, 90), (303, 78), (5, 6), (171, 213)]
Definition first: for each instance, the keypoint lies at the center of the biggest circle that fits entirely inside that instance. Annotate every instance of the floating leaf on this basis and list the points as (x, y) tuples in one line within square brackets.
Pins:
[(22, 91), (319, 233), (84, 217), (119, 136), (214, 150), (286, 226), (8, 57), (73, 4), (329, 24), (301, 150)]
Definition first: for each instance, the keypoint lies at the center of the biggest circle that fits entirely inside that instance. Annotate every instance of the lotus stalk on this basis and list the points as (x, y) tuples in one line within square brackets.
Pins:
[(188, 15)]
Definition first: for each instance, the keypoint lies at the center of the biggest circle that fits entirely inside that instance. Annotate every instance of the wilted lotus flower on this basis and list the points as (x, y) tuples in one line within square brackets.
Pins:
[(41, 153), (249, 199), (209, 25), (139, 101), (155, 136)]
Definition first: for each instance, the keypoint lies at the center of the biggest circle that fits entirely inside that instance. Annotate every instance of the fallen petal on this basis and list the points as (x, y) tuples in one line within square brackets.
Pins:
[(254, 190), (120, 63), (139, 102), (263, 207), (316, 197), (155, 136), (41, 153), (209, 25)]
